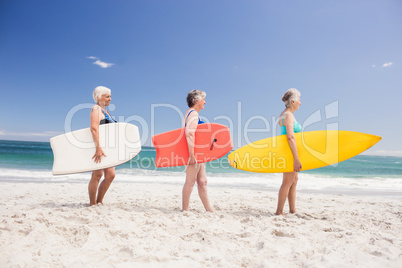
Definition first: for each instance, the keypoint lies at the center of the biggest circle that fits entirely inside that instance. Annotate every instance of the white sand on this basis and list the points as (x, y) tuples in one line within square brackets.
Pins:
[(140, 225)]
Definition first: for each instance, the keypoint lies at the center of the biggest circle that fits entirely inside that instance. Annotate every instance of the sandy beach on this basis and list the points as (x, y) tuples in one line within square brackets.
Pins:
[(141, 225)]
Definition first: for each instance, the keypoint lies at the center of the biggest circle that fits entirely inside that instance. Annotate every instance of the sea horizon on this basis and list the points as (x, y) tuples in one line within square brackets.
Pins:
[(24, 161)]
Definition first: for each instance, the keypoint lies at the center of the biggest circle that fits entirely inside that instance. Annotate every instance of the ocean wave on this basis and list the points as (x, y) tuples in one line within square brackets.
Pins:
[(307, 182)]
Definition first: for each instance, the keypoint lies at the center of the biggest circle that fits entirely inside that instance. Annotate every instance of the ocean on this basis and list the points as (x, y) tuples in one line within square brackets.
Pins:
[(22, 161)]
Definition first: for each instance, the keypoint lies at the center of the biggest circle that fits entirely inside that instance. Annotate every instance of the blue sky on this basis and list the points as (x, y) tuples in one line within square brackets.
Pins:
[(244, 54)]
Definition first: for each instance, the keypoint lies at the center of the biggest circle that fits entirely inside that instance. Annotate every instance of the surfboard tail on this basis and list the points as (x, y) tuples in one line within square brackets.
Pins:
[(166, 145)]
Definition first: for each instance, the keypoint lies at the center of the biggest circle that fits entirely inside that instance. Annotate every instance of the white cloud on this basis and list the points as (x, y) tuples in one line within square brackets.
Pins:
[(103, 64), (45, 134), (373, 65), (30, 134), (100, 63), (383, 153), (387, 64)]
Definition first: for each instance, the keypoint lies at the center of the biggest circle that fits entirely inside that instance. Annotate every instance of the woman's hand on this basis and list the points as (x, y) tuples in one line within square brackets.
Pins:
[(192, 160), (98, 155), (297, 166)]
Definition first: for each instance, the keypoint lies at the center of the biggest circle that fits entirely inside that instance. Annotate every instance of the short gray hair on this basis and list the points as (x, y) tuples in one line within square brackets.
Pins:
[(195, 95), (99, 91), (291, 95)]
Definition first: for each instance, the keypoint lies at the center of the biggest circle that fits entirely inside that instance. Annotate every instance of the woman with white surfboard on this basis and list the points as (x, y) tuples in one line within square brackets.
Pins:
[(289, 126), (99, 115), (195, 172)]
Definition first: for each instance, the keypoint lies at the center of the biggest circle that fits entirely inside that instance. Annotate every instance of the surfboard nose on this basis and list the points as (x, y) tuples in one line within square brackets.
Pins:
[(370, 139)]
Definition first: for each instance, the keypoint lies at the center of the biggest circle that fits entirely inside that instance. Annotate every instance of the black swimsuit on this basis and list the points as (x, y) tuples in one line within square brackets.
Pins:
[(108, 119)]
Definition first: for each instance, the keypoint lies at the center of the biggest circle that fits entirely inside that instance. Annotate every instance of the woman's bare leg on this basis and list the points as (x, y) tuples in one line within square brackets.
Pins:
[(93, 186), (292, 194), (287, 182), (110, 174), (202, 188), (191, 176)]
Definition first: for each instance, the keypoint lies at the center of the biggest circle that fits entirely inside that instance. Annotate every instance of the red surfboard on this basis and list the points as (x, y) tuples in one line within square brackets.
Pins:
[(212, 141)]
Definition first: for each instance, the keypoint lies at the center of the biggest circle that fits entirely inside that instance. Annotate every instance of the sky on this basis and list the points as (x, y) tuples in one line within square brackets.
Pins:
[(345, 57)]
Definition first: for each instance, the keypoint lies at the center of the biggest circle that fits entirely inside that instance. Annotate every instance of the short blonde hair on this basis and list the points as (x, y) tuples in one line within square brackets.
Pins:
[(291, 95), (99, 91)]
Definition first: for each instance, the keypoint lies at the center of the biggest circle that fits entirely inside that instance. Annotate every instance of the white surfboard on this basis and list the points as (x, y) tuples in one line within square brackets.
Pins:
[(73, 151)]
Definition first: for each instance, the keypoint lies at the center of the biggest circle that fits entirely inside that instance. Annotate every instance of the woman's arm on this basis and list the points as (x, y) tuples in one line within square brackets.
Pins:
[(95, 117), (288, 123), (191, 127)]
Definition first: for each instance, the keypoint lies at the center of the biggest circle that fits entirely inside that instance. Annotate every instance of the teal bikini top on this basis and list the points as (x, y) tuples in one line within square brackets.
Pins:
[(296, 126)]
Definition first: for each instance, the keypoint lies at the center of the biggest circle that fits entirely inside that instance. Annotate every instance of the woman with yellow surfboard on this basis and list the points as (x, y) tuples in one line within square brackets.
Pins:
[(289, 126), (195, 172)]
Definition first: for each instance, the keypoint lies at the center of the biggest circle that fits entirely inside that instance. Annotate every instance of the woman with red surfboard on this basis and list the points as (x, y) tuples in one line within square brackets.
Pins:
[(195, 172)]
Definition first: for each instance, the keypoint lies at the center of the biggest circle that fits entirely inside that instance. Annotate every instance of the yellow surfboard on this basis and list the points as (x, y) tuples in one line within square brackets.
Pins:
[(315, 148)]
